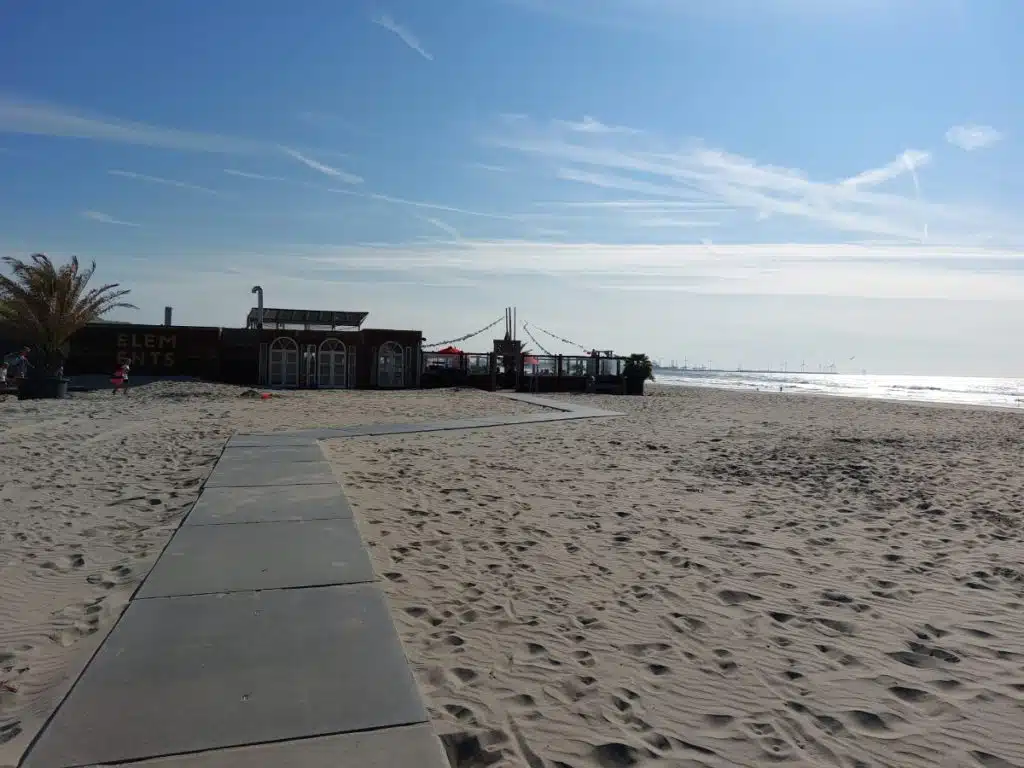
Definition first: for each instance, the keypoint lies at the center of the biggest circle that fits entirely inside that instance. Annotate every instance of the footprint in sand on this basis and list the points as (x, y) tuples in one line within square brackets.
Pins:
[(737, 597)]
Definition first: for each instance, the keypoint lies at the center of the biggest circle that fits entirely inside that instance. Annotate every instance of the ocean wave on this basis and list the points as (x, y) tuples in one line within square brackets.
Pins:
[(935, 389)]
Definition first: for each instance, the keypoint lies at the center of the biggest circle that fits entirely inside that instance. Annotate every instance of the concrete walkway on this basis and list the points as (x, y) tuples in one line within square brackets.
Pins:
[(260, 638)]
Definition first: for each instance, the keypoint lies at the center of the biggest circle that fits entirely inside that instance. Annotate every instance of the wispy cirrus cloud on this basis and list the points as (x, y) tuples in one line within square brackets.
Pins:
[(908, 162), (799, 269), (349, 178), (672, 222), (26, 116), (165, 182), (489, 167), (667, 17), (443, 226), (972, 137), (430, 206), (249, 175), (404, 34), (590, 125), (641, 164), (391, 199), (21, 116), (639, 205), (104, 218)]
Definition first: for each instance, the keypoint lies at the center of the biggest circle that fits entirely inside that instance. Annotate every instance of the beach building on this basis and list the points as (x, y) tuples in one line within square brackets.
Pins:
[(286, 348), (329, 349)]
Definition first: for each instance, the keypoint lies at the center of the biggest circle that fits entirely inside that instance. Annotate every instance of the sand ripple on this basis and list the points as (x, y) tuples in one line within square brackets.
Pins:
[(93, 487), (717, 580)]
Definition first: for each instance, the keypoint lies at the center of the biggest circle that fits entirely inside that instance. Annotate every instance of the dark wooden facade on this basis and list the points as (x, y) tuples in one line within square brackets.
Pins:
[(299, 358), (152, 350), (368, 355)]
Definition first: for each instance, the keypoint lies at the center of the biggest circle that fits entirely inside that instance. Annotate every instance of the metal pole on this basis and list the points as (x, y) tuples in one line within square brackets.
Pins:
[(259, 305)]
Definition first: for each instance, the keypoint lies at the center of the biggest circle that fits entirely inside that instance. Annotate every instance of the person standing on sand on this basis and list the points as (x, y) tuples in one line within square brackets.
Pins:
[(18, 364), (120, 379)]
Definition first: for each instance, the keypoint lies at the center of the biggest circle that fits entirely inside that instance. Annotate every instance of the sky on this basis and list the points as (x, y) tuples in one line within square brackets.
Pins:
[(741, 181)]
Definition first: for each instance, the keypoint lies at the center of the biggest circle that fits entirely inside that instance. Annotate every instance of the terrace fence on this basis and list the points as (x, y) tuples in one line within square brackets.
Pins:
[(535, 373)]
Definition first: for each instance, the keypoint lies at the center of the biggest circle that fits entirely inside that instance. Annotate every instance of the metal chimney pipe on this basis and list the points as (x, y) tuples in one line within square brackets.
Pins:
[(167, 315), (259, 305)]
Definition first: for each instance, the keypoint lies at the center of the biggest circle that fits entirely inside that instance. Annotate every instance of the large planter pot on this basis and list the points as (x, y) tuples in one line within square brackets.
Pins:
[(48, 388), (635, 385)]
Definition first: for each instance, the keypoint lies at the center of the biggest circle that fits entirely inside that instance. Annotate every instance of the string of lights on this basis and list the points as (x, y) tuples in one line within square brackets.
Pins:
[(564, 340), (467, 336), (526, 330)]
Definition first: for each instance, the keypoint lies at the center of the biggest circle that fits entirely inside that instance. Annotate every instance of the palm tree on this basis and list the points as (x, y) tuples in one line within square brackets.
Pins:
[(639, 366), (44, 304)]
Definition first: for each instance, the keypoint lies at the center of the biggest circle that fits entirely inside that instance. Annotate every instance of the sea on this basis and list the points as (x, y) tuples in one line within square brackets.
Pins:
[(959, 390)]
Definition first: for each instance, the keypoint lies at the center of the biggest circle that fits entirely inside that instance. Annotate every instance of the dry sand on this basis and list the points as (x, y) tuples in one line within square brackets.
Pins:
[(718, 579), (91, 488)]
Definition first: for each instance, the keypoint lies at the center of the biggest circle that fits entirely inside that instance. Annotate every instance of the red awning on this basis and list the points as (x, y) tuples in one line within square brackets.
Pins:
[(449, 351), (531, 361)]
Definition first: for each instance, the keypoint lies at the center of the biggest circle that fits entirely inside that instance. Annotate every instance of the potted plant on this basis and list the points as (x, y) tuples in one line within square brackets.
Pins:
[(45, 305), (637, 371)]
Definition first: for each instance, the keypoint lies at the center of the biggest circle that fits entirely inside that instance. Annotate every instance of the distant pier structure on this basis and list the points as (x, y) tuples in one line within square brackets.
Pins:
[(829, 369)]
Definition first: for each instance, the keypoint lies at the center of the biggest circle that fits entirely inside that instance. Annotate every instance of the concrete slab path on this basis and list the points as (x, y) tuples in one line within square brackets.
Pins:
[(260, 637)]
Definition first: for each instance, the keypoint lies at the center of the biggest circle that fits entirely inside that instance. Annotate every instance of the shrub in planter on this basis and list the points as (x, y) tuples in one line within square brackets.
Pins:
[(638, 370)]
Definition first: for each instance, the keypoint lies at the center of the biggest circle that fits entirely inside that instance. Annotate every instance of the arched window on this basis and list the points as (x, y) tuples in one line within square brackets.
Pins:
[(332, 370), (391, 365), (284, 363)]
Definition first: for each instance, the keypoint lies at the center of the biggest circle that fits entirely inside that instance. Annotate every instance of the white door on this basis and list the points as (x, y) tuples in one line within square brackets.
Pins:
[(309, 366), (333, 364), (284, 363), (391, 365)]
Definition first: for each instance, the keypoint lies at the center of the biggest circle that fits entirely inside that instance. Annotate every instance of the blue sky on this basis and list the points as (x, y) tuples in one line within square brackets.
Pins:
[(746, 181)]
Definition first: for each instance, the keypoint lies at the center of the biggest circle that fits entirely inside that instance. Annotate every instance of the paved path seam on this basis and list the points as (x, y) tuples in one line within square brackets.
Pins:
[(261, 636)]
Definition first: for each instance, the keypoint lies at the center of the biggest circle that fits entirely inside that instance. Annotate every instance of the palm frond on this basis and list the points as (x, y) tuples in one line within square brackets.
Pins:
[(45, 304)]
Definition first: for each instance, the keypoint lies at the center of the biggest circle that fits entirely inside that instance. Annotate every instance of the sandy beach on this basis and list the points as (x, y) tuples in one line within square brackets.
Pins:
[(717, 579), (93, 487)]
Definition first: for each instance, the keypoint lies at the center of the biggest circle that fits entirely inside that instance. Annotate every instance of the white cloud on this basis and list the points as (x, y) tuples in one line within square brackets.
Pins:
[(104, 218), (971, 137), (444, 227), (590, 125), (489, 167), (642, 164), (37, 118), (908, 162), (390, 199), (163, 181), (349, 178), (428, 206), (639, 205), (665, 221), (668, 17), (833, 269), (405, 35), (248, 175)]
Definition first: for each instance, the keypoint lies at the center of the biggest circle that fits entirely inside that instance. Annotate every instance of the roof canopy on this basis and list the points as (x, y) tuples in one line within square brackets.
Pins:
[(314, 318)]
